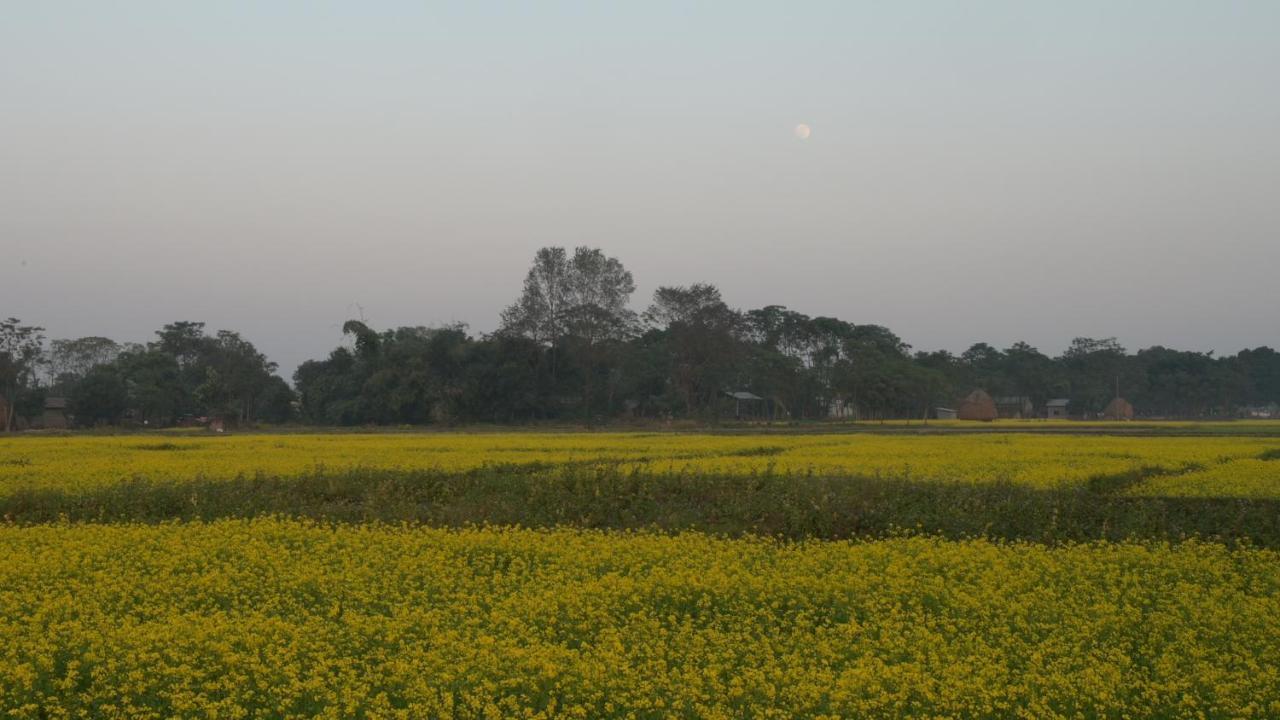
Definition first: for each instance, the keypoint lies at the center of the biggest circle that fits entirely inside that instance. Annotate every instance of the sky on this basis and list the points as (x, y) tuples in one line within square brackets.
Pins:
[(993, 171)]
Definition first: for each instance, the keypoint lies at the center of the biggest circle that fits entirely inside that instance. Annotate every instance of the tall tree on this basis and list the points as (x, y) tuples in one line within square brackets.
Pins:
[(70, 360), (873, 371), (100, 396), (185, 341), (367, 341), (540, 312), (21, 351), (984, 366), (1094, 368), (703, 335), (1177, 383), (781, 359), (243, 373), (1032, 374), (596, 315), (154, 383), (1261, 366)]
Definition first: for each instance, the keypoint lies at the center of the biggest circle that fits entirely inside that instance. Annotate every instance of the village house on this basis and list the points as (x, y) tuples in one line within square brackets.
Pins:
[(1056, 409), (839, 408), (1017, 407), (1261, 412), (55, 414)]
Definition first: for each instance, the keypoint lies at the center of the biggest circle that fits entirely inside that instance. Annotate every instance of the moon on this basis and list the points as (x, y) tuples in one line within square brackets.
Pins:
[(803, 131)]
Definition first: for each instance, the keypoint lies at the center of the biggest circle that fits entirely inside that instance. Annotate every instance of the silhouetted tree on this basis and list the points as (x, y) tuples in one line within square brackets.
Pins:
[(21, 350)]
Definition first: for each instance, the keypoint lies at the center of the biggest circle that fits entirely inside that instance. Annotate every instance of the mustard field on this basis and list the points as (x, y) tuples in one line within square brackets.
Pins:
[(640, 575), (1228, 466), (276, 618)]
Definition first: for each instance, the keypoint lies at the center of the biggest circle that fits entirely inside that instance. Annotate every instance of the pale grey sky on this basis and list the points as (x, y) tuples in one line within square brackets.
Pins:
[(987, 171)]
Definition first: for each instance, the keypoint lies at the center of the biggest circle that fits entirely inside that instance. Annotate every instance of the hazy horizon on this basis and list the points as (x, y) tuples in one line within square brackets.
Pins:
[(1003, 172)]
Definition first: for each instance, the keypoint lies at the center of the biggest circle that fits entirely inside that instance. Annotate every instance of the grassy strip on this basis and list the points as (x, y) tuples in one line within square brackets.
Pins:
[(1139, 428), (790, 506)]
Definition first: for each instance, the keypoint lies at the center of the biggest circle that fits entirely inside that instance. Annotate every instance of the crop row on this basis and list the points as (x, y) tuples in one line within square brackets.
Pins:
[(1197, 466)]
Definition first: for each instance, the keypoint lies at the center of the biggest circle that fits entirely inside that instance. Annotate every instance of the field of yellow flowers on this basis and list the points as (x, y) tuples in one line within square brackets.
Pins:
[(640, 575), (278, 618), (1200, 466)]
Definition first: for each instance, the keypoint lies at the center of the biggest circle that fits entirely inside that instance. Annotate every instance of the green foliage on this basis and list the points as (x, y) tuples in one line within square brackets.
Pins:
[(184, 372), (101, 396), (154, 380), (569, 348), (789, 505), (695, 347), (21, 348), (71, 360)]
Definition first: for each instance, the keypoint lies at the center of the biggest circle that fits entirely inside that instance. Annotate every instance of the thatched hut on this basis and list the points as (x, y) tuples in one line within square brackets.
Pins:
[(978, 405), (1118, 409)]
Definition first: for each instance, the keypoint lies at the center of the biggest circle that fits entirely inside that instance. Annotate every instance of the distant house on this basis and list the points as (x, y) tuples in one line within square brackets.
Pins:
[(840, 408), (1118, 409), (55, 414), (1261, 412), (977, 405), (1056, 409), (753, 403), (1016, 407), (943, 413)]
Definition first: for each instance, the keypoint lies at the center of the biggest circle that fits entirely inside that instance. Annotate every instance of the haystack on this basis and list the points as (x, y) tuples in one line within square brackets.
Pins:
[(977, 406), (1118, 409)]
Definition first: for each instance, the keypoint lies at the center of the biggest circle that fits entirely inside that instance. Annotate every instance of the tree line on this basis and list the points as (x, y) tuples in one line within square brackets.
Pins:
[(570, 348), (184, 374)]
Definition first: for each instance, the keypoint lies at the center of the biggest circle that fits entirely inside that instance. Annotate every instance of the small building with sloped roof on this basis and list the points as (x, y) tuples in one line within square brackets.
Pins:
[(1016, 407), (1057, 408), (752, 403)]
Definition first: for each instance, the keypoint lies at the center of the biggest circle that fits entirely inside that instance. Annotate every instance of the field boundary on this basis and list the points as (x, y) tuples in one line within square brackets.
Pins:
[(792, 506)]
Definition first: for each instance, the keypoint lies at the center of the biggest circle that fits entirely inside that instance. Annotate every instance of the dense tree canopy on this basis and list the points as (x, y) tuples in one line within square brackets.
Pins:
[(569, 347), (185, 373), (20, 357)]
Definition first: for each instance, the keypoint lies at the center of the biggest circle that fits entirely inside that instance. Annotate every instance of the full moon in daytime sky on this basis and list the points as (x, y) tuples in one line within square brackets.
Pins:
[(803, 132)]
